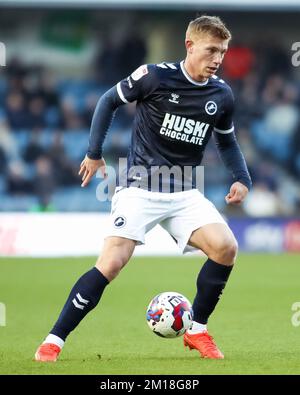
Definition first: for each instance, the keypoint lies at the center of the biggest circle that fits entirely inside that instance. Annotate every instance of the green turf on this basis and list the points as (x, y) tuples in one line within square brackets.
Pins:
[(252, 323)]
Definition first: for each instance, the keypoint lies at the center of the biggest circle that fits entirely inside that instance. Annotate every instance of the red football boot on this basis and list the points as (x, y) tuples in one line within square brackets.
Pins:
[(47, 352), (204, 343)]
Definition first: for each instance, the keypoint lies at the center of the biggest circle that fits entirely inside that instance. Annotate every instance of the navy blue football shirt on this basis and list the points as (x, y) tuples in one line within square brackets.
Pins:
[(175, 117)]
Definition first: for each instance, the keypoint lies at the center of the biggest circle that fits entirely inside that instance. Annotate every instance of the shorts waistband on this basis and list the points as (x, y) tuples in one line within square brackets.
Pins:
[(159, 195)]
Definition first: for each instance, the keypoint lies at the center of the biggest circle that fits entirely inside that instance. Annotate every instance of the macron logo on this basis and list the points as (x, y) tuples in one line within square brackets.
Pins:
[(81, 300)]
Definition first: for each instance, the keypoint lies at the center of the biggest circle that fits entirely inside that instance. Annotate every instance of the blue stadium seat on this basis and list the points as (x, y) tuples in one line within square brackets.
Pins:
[(276, 144), (78, 91), (78, 199), (17, 203), (76, 143), (22, 138), (46, 138), (2, 186), (216, 194), (52, 117)]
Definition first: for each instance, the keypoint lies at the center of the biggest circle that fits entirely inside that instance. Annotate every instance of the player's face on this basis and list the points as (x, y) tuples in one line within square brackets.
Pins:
[(205, 54)]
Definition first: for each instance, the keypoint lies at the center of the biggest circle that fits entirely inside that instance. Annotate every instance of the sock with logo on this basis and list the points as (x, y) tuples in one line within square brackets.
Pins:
[(210, 284), (84, 296)]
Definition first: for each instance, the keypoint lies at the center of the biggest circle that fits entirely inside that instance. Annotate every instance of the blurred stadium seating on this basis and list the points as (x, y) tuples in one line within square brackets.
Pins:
[(45, 118)]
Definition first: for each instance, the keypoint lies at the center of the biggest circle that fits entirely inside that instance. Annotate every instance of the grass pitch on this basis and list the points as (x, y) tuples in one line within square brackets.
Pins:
[(251, 324)]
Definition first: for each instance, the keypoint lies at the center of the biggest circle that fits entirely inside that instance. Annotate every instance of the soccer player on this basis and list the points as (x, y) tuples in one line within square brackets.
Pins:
[(179, 106)]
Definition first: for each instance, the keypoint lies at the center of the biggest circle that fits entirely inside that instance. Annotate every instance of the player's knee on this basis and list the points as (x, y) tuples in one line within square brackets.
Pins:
[(115, 254), (110, 267), (226, 251), (232, 250)]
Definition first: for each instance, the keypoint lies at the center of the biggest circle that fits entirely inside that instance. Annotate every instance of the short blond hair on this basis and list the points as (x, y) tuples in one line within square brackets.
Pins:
[(211, 25)]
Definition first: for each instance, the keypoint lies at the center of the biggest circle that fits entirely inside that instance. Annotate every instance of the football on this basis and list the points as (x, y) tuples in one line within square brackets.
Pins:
[(169, 314)]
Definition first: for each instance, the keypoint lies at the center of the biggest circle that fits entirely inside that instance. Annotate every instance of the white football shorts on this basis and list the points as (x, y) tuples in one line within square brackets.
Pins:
[(135, 211)]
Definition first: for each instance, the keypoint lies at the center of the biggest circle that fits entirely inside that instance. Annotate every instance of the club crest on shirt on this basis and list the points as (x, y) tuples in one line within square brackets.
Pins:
[(119, 222), (139, 72), (211, 107)]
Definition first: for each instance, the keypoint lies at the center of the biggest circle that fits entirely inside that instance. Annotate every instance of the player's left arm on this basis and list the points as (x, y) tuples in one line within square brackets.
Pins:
[(231, 153)]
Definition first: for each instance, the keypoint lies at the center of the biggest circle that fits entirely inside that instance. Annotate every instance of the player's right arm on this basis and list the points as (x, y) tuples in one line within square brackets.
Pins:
[(136, 87), (101, 121)]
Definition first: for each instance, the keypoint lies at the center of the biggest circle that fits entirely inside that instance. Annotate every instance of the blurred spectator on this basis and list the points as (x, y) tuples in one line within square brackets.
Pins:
[(2, 161), (35, 106), (34, 148), (108, 70), (132, 51), (16, 73), (294, 164), (37, 113), (289, 193), (64, 170), (265, 173), (280, 123), (17, 115), (8, 143), (261, 202), (46, 88), (71, 119), (15, 68), (273, 58), (119, 57), (17, 181), (238, 62), (247, 104), (272, 90), (90, 105), (44, 183)]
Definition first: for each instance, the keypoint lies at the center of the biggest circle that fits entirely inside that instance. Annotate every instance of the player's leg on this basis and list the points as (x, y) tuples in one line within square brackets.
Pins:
[(86, 294), (132, 216), (219, 244), (197, 223), (115, 254)]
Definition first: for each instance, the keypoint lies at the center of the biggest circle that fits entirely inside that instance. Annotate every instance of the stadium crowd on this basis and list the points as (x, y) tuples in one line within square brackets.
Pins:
[(45, 120)]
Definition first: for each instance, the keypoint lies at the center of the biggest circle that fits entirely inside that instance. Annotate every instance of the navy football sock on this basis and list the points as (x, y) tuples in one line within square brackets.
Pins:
[(84, 296), (210, 284)]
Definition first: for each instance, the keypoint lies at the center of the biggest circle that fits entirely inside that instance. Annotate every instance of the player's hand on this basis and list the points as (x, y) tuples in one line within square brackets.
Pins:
[(237, 193), (89, 167)]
